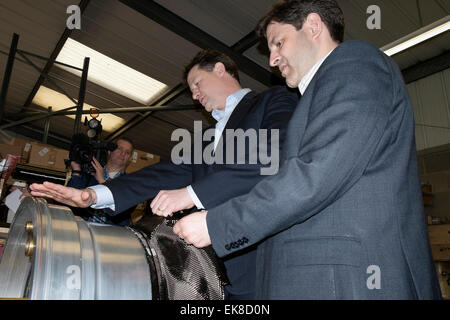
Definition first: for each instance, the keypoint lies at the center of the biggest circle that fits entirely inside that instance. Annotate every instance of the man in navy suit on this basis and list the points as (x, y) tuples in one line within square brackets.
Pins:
[(343, 218), (214, 81)]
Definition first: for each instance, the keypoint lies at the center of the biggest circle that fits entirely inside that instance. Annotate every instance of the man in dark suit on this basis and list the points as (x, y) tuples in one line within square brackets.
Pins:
[(343, 218), (214, 81)]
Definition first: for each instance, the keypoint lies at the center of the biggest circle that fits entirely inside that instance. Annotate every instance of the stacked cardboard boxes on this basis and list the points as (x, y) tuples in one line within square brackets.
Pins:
[(140, 159), (9, 149), (40, 155), (25, 148), (43, 155), (46, 156), (440, 247)]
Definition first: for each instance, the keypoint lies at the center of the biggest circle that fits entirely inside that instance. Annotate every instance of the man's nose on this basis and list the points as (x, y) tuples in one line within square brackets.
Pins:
[(274, 59), (195, 94)]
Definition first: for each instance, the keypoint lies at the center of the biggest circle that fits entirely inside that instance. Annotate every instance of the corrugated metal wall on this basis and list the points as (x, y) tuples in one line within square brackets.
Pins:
[(430, 98)]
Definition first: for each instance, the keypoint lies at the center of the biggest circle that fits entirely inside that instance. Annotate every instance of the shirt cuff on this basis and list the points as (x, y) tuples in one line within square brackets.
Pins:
[(194, 198), (105, 197)]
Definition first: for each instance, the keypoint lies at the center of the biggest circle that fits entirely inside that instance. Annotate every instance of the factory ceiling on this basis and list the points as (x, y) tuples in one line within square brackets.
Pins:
[(156, 39)]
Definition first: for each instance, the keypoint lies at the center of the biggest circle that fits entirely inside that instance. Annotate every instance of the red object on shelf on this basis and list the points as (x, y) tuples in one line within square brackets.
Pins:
[(10, 165)]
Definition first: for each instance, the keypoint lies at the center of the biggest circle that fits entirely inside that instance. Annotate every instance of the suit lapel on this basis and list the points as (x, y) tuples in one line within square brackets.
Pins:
[(239, 113), (297, 124)]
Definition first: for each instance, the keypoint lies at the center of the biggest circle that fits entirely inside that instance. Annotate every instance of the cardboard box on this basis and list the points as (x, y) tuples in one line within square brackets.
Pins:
[(43, 155), (9, 149), (25, 146), (439, 234), (440, 252), (141, 159)]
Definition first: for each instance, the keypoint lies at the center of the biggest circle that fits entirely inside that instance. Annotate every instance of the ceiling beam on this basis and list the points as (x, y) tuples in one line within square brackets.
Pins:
[(66, 112), (7, 75), (137, 119), (193, 34), (67, 32), (246, 42), (427, 68), (200, 38), (35, 133)]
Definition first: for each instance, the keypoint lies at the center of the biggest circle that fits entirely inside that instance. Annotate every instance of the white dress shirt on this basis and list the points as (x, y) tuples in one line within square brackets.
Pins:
[(105, 197), (306, 80)]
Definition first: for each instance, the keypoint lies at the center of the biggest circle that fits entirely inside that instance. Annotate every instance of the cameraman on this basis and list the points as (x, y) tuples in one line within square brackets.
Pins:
[(115, 167)]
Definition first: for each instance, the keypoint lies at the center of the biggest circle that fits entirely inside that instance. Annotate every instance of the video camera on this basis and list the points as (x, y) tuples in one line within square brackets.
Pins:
[(83, 149)]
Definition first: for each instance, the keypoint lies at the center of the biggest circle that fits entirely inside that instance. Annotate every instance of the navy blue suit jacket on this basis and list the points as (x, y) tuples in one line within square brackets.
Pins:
[(216, 183)]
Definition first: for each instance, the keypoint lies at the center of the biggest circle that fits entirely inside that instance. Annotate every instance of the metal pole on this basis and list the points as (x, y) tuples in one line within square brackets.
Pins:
[(67, 111), (168, 96), (7, 76), (131, 110), (81, 96), (46, 76), (47, 127), (66, 34)]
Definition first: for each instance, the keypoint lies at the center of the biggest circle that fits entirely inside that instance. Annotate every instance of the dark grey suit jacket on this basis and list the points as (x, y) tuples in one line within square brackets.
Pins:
[(343, 218), (216, 183)]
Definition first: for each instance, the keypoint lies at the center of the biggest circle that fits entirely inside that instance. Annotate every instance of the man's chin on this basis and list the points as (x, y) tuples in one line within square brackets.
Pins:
[(291, 83)]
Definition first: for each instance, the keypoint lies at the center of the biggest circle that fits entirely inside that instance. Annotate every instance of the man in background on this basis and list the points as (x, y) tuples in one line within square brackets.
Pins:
[(115, 166)]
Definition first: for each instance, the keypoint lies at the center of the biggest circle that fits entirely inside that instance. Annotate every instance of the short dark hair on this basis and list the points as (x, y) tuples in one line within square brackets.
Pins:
[(127, 140), (295, 12), (207, 59)]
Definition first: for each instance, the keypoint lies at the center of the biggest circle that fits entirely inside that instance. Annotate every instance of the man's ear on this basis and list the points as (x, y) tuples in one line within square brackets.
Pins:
[(219, 69), (314, 24)]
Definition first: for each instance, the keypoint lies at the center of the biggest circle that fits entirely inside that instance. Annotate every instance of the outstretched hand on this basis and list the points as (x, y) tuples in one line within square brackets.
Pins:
[(70, 196)]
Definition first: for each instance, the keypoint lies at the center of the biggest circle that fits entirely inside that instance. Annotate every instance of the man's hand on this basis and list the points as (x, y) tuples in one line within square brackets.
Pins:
[(99, 173), (167, 202), (70, 196), (193, 229), (75, 165)]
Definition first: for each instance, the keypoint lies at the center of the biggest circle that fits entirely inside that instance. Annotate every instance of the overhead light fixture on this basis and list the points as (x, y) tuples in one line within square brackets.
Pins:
[(46, 97), (418, 36), (94, 125), (109, 73)]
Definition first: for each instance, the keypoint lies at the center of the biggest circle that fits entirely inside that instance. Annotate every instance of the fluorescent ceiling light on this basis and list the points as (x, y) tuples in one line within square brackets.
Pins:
[(110, 73), (46, 97), (417, 37)]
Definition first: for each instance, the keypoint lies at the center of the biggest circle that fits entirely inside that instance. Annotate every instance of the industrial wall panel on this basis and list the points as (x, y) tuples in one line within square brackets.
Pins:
[(431, 103)]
